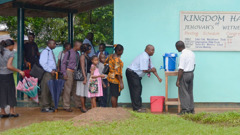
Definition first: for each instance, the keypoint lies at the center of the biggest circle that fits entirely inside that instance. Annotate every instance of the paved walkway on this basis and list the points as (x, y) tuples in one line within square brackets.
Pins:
[(33, 115)]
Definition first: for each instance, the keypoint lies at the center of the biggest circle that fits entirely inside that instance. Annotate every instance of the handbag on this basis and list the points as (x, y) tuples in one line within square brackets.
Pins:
[(106, 67), (93, 85), (78, 74), (37, 71)]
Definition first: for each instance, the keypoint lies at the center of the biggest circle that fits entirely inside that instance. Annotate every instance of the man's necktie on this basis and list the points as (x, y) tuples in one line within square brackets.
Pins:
[(149, 67)]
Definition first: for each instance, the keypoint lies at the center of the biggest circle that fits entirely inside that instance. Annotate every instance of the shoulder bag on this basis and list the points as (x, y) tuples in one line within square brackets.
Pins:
[(106, 66), (78, 74), (37, 70)]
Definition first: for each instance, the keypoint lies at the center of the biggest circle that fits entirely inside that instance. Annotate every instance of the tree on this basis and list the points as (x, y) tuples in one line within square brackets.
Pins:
[(99, 21)]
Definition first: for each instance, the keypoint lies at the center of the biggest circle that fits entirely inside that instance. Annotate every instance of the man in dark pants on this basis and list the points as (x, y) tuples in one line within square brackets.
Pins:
[(185, 78), (48, 62), (139, 67)]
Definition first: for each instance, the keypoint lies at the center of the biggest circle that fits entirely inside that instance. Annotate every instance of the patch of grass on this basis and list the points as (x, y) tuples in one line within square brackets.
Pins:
[(140, 124), (223, 119)]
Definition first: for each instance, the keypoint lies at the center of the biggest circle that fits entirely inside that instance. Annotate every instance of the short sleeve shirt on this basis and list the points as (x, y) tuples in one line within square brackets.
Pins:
[(187, 60), (4, 60), (140, 63), (115, 68)]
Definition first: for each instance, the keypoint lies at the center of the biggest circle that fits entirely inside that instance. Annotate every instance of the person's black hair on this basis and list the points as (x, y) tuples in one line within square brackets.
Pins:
[(102, 44), (85, 47), (4, 44), (119, 47), (77, 41), (31, 34), (94, 56), (180, 44), (66, 44), (50, 41), (89, 35)]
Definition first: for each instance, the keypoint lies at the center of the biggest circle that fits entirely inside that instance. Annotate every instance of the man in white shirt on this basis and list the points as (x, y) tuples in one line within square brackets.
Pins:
[(48, 62), (185, 78), (139, 67)]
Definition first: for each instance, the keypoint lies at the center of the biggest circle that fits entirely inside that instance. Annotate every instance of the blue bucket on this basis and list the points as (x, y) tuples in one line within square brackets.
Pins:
[(169, 61)]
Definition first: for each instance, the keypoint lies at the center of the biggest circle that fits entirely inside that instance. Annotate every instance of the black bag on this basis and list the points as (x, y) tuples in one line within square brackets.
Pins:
[(78, 74), (106, 67), (37, 71)]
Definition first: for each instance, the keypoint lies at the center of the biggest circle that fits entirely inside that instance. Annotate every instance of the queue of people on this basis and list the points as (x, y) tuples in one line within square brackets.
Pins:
[(99, 87)]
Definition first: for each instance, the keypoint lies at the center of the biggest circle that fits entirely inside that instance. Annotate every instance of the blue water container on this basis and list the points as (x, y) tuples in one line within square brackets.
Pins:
[(169, 61)]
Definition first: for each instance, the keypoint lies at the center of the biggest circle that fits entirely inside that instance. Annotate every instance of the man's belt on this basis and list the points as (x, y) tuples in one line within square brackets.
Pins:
[(130, 69), (70, 70), (189, 71)]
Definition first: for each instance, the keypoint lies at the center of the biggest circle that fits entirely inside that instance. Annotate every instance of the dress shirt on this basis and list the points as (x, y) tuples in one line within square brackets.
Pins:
[(72, 62), (47, 60), (187, 60), (140, 63), (87, 41)]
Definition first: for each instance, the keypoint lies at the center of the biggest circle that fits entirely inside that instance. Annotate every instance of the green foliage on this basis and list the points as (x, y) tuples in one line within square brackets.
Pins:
[(223, 119), (98, 21), (139, 124)]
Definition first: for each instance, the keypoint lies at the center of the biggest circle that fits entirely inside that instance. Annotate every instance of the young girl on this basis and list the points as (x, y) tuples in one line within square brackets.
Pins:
[(95, 82)]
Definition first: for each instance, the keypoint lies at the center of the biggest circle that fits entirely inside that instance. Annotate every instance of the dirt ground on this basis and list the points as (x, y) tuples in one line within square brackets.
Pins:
[(101, 115)]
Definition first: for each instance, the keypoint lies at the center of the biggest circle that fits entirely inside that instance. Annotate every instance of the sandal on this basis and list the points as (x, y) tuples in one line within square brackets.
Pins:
[(83, 111), (14, 115), (4, 115)]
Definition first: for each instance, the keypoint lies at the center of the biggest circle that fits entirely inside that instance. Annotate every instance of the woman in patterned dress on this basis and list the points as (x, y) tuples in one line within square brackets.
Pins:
[(115, 74)]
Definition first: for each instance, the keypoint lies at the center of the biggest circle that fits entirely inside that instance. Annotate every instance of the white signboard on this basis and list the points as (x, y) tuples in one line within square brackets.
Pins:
[(210, 31)]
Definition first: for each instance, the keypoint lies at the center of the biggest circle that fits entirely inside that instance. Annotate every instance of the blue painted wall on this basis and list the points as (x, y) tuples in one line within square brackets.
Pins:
[(142, 22)]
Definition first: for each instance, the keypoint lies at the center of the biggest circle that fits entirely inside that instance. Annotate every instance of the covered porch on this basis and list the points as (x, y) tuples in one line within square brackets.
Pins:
[(45, 9)]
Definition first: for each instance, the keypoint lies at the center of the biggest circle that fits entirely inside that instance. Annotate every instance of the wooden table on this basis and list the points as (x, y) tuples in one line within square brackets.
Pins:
[(171, 101)]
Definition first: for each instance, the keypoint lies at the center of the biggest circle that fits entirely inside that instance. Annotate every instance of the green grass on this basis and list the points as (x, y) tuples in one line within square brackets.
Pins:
[(222, 119), (140, 124)]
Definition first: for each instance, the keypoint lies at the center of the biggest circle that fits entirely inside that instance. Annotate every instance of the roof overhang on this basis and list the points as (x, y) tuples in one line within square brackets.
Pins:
[(49, 8)]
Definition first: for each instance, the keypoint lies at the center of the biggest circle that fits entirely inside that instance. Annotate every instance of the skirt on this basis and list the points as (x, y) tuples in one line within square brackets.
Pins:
[(114, 90), (82, 90), (7, 91)]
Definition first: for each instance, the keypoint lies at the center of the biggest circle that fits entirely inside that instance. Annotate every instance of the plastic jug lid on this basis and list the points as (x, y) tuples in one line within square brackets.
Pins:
[(170, 55)]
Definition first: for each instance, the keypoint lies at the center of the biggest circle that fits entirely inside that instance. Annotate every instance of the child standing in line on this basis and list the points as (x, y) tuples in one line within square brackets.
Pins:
[(95, 82), (102, 50), (103, 101)]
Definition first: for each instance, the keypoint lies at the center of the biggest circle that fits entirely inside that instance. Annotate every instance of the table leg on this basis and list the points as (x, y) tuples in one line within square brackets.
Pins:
[(166, 93)]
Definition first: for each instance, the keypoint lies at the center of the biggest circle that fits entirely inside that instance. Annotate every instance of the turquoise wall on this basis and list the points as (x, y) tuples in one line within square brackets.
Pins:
[(142, 22)]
